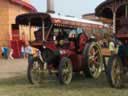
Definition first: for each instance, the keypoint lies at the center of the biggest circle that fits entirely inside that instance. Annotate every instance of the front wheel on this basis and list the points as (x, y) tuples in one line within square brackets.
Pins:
[(93, 60), (65, 71), (34, 70), (115, 71)]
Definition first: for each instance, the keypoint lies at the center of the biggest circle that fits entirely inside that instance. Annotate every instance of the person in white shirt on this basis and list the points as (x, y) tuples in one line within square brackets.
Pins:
[(112, 47), (28, 50)]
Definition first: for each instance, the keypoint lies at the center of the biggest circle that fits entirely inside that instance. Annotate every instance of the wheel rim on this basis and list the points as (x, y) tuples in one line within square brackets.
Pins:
[(67, 72), (36, 73), (95, 61), (117, 74)]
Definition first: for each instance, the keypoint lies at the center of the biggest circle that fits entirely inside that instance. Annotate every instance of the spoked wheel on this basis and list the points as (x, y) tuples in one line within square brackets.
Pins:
[(115, 71), (34, 71), (93, 60), (65, 71)]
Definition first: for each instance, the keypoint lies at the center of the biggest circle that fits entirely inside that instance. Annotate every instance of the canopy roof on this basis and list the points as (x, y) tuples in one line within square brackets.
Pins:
[(107, 8), (36, 20), (99, 10)]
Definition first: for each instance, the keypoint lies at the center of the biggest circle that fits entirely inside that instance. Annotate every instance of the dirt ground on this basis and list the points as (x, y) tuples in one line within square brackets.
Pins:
[(11, 68), (13, 82)]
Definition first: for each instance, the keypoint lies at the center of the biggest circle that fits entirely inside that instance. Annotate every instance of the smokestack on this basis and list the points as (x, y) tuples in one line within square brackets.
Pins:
[(50, 6)]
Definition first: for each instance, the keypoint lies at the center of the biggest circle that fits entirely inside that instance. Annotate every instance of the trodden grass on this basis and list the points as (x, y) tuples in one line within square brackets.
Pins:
[(18, 85)]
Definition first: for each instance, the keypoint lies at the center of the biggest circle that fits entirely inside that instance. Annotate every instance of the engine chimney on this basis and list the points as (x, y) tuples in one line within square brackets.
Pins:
[(50, 6)]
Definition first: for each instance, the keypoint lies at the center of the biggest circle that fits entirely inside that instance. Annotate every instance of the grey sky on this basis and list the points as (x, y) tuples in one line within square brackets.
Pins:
[(69, 7)]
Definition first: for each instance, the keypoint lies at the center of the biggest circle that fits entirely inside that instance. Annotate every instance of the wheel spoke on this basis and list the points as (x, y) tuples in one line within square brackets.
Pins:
[(96, 52), (91, 57), (66, 65), (92, 52), (96, 57), (92, 68), (97, 64), (65, 75)]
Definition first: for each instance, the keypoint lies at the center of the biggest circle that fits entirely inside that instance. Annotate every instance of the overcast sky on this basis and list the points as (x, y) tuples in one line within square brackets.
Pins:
[(69, 7)]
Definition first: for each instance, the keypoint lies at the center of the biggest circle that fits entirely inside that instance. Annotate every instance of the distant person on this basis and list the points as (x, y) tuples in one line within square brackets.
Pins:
[(28, 50), (22, 52), (10, 54), (29, 53), (105, 43), (4, 52), (112, 47), (58, 37)]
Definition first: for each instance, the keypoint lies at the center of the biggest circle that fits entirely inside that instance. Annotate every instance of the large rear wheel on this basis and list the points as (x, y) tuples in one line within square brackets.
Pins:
[(115, 71), (65, 71), (93, 60)]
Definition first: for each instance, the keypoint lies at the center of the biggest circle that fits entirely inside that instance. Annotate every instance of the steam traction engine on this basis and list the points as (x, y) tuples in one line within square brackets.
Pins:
[(64, 47), (117, 12)]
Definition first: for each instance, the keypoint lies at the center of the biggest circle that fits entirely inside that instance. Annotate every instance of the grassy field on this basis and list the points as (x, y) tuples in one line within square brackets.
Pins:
[(13, 82)]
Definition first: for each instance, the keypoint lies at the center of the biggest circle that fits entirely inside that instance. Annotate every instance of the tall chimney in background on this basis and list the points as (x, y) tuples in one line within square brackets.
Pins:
[(50, 6)]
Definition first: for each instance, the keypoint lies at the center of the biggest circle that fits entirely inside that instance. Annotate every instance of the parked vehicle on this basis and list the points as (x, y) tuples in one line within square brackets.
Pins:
[(64, 47), (117, 68)]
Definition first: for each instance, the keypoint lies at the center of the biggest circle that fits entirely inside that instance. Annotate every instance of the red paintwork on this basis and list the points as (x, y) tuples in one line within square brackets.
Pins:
[(72, 45), (15, 34), (24, 4), (82, 41), (50, 45), (16, 46), (77, 61)]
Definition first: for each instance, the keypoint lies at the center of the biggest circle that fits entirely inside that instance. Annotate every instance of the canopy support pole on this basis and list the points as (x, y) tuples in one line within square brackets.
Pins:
[(43, 31), (29, 24), (114, 22), (126, 11)]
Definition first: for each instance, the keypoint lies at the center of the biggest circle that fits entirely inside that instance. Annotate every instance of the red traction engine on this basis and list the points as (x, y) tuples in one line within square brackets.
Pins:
[(117, 68), (64, 48)]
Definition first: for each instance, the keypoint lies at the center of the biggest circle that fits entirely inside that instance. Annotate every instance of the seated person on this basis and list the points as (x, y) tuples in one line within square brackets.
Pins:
[(58, 38), (72, 35), (72, 39)]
